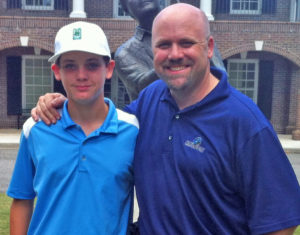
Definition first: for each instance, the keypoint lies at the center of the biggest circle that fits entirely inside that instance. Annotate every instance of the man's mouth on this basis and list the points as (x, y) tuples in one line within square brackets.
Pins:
[(177, 68)]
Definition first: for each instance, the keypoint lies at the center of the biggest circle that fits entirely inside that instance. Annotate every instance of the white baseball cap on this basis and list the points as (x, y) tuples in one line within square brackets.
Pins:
[(80, 36)]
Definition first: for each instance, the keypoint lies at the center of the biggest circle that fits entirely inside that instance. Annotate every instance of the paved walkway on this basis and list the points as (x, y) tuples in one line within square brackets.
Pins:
[(9, 138)]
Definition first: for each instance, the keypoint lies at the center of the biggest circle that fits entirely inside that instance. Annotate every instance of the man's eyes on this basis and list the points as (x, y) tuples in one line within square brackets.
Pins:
[(164, 45), (186, 44), (183, 44)]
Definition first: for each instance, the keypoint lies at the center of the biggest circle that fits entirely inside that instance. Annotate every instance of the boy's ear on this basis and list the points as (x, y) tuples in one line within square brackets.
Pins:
[(110, 69), (55, 68)]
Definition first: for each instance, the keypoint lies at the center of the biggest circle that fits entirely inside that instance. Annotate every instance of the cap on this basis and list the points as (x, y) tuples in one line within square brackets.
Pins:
[(80, 36)]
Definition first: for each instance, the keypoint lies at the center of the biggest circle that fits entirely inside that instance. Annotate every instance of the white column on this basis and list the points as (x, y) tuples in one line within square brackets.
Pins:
[(78, 9), (205, 5)]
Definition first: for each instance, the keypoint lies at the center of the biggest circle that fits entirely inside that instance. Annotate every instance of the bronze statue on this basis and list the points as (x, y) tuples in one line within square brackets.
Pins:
[(134, 58)]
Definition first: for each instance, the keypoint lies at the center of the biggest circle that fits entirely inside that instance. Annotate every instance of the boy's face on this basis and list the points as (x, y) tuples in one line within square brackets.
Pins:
[(83, 76)]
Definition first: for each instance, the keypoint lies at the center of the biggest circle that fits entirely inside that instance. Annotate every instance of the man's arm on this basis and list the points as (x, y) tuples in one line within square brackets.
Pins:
[(47, 106), (20, 216), (288, 231)]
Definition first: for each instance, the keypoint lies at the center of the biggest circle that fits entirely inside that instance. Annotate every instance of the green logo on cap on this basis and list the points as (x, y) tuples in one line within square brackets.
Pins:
[(77, 34)]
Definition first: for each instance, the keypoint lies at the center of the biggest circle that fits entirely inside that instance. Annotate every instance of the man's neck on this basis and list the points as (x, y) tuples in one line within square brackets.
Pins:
[(188, 98), (89, 116)]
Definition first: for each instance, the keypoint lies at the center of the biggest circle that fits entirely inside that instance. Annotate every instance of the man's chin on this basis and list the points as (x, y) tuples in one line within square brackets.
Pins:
[(176, 85)]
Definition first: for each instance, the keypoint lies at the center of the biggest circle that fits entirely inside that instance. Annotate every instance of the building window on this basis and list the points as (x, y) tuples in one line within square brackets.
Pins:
[(38, 4), (120, 13), (243, 75), (245, 6), (295, 10), (118, 10), (37, 79)]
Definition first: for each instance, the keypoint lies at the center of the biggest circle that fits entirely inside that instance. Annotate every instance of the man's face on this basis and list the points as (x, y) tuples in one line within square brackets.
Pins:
[(83, 75), (139, 9), (181, 52)]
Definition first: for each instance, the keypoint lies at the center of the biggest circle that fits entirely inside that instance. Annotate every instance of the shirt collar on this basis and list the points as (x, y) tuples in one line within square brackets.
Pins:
[(110, 124), (221, 91)]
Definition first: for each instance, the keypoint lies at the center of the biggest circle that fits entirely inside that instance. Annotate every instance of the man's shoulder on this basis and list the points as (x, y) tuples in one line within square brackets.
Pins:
[(157, 85), (242, 110), (154, 90)]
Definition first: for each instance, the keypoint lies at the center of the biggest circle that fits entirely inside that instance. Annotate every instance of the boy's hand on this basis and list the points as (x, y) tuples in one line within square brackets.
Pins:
[(47, 106)]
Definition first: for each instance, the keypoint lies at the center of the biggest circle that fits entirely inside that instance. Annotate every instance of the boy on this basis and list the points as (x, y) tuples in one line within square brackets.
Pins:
[(80, 170)]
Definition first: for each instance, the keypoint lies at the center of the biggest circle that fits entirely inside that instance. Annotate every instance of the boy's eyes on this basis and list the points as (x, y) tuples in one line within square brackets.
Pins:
[(69, 67), (91, 66)]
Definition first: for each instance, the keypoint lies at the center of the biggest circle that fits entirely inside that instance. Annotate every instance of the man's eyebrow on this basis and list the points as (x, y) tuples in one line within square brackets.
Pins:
[(159, 41)]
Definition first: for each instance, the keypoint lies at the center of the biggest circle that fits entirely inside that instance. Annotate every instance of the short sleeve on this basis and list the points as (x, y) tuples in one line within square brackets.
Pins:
[(21, 185), (268, 184)]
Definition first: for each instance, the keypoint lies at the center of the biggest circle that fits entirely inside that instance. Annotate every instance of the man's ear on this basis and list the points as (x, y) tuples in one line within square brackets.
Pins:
[(110, 69), (210, 45), (55, 68)]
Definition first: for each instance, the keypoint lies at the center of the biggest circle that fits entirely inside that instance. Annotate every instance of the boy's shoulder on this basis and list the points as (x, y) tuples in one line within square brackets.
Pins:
[(128, 118), (27, 126)]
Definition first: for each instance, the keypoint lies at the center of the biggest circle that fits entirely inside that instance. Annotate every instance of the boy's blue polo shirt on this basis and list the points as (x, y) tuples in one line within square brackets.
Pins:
[(83, 184), (216, 167)]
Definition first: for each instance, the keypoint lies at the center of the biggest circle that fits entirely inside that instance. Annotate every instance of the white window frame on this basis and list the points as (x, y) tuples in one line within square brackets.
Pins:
[(246, 11), (116, 4), (24, 58), (38, 7), (116, 9), (295, 10), (247, 61)]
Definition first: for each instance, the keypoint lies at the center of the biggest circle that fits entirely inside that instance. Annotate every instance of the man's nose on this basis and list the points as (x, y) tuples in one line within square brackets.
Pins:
[(175, 52)]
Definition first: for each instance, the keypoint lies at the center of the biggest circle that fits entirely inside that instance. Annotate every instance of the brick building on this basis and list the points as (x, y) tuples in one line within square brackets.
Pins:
[(258, 40)]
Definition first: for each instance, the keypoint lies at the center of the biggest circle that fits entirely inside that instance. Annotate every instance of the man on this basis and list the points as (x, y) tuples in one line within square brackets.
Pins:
[(80, 169), (206, 160), (134, 58)]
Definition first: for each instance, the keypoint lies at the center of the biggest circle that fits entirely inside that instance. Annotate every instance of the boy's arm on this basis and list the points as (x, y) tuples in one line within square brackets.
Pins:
[(20, 216)]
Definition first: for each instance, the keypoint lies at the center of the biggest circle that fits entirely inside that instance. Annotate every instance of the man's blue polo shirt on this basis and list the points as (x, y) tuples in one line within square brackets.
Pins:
[(83, 184), (216, 167)]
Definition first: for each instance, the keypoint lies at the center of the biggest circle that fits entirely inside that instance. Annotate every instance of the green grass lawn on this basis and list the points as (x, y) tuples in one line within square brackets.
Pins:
[(4, 215)]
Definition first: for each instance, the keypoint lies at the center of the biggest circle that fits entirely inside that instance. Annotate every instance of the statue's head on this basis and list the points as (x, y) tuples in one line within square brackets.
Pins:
[(141, 10)]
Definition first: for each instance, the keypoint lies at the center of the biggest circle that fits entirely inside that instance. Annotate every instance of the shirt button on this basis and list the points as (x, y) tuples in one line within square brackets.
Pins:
[(177, 116), (170, 137), (83, 158)]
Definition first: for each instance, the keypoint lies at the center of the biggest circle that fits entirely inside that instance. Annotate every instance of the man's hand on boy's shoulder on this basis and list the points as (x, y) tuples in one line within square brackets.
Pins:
[(46, 108)]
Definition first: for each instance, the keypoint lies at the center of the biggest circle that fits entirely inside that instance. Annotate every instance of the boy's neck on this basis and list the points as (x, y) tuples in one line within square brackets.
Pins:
[(90, 117)]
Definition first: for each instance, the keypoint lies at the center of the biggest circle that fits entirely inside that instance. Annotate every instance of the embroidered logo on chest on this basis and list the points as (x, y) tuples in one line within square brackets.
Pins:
[(195, 144)]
